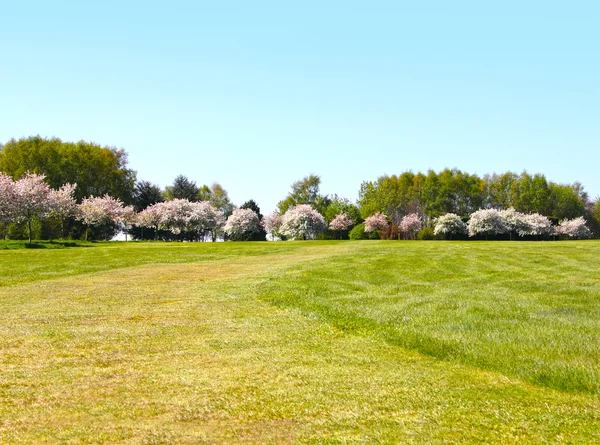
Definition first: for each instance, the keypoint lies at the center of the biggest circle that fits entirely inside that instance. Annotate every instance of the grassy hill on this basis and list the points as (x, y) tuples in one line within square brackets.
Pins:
[(301, 342)]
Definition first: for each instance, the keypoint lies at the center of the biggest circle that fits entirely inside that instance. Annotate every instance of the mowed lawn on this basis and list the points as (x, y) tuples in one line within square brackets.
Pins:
[(301, 342)]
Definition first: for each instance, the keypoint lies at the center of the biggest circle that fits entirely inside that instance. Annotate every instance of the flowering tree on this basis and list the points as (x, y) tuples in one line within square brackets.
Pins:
[(94, 211), (152, 217), (206, 218), (175, 215), (511, 219), (534, 224), (376, 222), (303, 222), (449, 224), (341, 223), (242, 224), (411, 224), (486, 222), (272, 224), (127, 219), (574, 228), (8, 198), (34, 199), (65, 204)]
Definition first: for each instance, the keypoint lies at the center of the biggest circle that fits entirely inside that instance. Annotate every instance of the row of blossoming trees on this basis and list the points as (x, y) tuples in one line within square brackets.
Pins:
[(30, 198), (481, 223)]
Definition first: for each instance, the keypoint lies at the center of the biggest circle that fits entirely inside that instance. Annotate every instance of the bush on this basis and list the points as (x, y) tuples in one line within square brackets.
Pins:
[(426, 234), (358, 233)]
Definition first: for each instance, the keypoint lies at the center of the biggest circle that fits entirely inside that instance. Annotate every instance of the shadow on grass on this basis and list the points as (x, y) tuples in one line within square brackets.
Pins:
[(54, 244)]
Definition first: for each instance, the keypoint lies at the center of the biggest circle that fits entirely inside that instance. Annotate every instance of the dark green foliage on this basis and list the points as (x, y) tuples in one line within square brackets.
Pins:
[(261, 235), (251, 204), (95, 169), (182, 188), (145, 194)]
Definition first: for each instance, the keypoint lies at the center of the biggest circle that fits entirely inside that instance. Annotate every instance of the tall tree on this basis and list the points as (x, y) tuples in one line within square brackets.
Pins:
[(219, 197), (182, 188), (304, 191), (96, 170)]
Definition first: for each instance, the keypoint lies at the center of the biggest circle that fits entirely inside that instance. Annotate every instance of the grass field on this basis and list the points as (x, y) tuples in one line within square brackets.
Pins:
[(301, 342)]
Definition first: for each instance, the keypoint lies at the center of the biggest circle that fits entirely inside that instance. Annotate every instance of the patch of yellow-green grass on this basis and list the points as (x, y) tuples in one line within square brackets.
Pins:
[(196, 353)]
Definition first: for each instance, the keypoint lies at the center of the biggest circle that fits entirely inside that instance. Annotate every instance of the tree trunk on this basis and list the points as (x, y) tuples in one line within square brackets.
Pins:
[(29, 228)]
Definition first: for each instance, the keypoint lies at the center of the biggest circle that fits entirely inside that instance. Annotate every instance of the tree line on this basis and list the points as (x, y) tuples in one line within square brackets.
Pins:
[(407, 200)]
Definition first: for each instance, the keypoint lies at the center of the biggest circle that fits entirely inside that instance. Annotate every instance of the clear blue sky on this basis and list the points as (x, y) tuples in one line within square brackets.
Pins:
[(256, 95)]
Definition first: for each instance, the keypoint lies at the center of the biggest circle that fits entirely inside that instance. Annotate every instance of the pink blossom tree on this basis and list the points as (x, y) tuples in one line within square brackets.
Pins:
[(127, 219), (8, 199), (65, 204), (242, 224), (341, 223), (94, 211), (410, 225), (151, 217), (205, 218), (272, 224), (302, 222), (376, 222), (34, 199), (176, 215)]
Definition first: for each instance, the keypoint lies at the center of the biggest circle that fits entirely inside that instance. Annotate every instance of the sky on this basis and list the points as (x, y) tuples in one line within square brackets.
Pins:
[(256, 95)]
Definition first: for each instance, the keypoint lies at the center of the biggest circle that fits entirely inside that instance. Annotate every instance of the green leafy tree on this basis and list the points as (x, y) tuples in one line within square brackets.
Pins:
[(219, 198), (96, 170), (305, 191)]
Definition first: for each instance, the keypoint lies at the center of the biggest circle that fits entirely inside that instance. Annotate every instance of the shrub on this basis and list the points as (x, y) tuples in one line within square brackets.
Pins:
[(358, 233), (426, 234)]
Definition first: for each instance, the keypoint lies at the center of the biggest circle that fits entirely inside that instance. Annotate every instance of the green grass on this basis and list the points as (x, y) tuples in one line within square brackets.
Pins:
[(314, 342)]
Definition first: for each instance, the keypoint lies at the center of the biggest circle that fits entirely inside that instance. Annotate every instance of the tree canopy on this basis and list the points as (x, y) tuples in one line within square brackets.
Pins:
[(96, 170)]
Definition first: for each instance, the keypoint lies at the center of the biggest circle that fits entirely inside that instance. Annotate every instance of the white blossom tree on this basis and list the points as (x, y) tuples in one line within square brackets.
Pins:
[(449, 224), (534, 225), (242, 224), (486, 222), (574, 228), (411, 224), (302, 222), (376, 222), (511, 219), (341, 223)]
